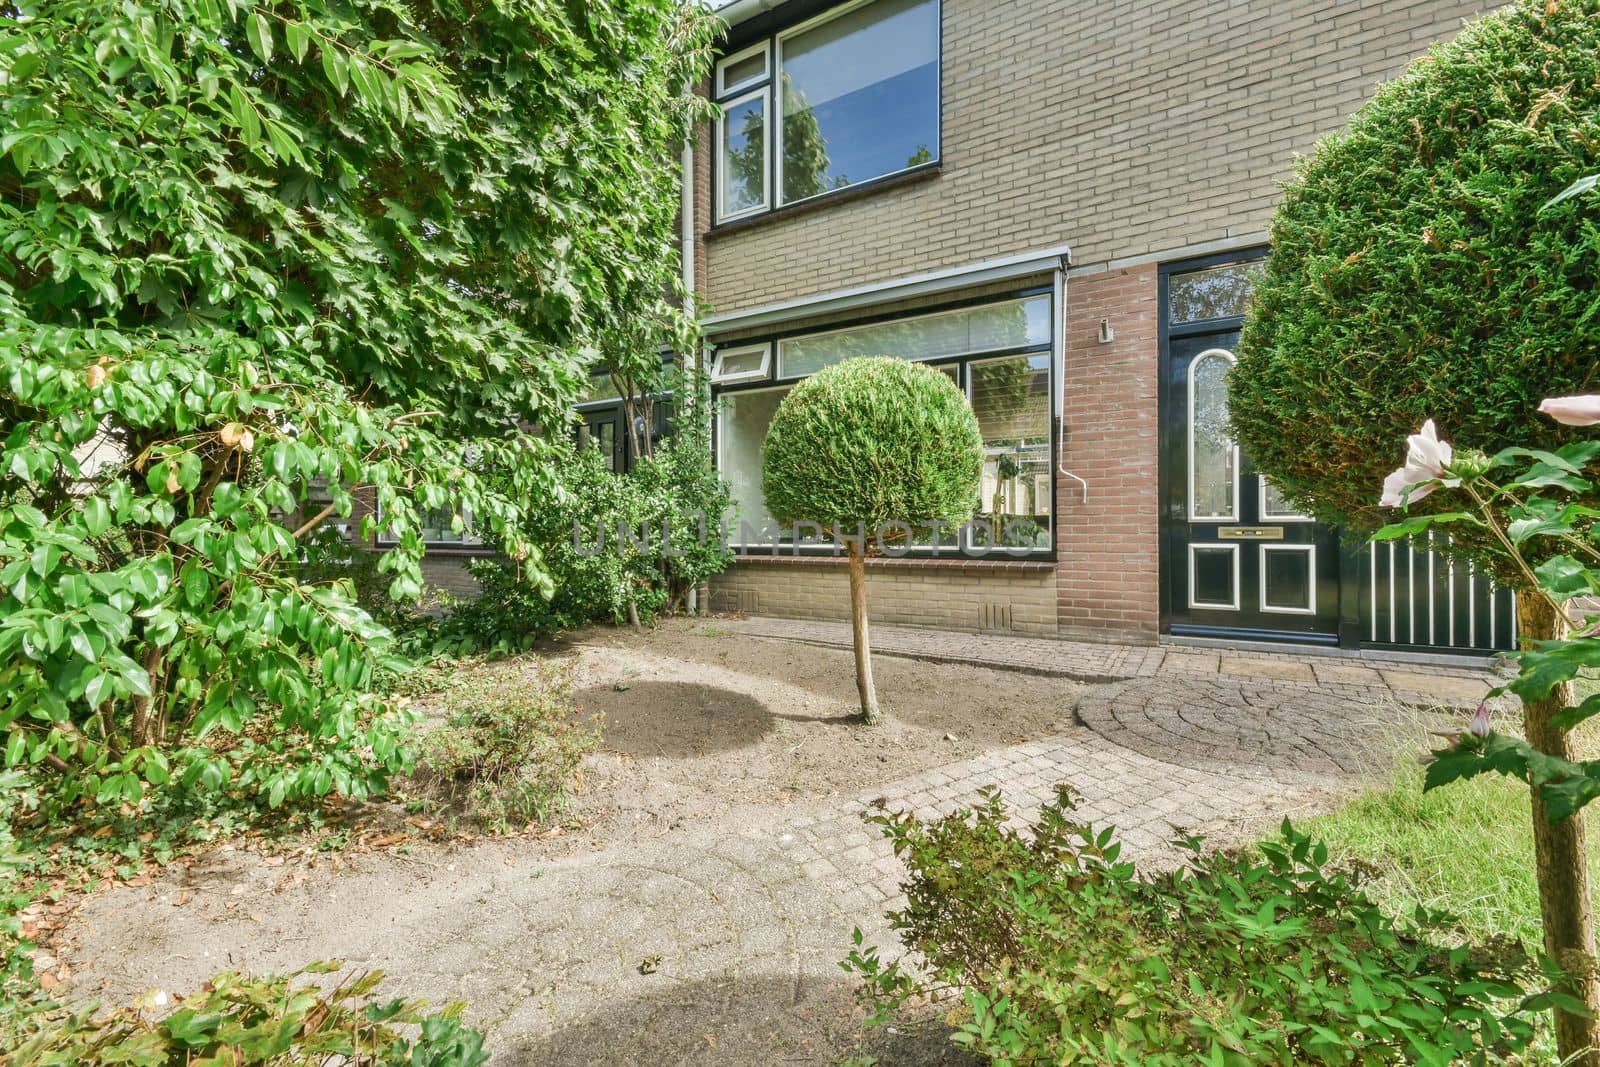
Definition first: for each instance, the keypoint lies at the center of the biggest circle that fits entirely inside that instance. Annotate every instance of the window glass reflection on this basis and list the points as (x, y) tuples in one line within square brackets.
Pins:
[(744, 133), (859, 96)]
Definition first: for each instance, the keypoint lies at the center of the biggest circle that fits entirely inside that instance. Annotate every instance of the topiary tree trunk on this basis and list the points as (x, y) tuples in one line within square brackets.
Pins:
[(1561, 855), (863, 643), (871, 444)]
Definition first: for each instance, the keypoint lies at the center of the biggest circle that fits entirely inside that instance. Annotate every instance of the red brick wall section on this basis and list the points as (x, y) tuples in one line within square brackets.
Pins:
[(1107, 583)]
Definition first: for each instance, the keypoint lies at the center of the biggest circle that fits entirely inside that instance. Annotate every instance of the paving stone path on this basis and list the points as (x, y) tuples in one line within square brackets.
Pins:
[(1455, 685), (719, 947), (1223, 725)]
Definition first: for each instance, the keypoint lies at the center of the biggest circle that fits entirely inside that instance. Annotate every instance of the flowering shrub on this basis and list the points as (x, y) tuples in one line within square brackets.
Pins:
[(1531, 502), (1533, 507)]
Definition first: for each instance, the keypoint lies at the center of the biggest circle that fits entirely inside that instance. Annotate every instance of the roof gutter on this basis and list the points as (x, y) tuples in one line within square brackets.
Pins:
[(744, 10), (918, 285)]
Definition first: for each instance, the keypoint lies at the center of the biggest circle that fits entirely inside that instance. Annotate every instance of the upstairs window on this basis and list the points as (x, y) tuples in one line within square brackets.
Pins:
[(841, 100)]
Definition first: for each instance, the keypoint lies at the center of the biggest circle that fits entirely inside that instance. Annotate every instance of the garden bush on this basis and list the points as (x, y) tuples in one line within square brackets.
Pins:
[(603, 545), (504, 756), (1416, 272), (1062, 954), (866, 450), (255, 257), (16, 968), (261, 1022)]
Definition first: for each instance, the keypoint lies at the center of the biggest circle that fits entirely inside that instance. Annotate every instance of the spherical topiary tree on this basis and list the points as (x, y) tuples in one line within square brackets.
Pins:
[(865, 450), (1421, 271)]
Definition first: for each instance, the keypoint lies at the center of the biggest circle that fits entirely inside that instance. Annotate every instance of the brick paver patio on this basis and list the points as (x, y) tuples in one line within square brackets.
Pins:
[(1086, 661)]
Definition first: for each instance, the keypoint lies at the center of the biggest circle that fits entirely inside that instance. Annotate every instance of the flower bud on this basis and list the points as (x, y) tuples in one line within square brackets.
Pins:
[(229, 435), (1481, 722), (1469, 465), (247, 441)]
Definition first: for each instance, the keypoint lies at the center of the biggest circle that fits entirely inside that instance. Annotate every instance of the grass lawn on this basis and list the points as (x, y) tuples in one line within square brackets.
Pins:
[(1466, 848)]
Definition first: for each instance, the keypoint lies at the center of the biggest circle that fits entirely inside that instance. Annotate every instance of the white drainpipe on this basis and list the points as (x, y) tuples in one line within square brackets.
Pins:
[(686, 214), (686, 261)]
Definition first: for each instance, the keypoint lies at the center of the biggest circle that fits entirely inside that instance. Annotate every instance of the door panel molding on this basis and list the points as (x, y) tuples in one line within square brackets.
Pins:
[(1196, 547), (1310, 551)]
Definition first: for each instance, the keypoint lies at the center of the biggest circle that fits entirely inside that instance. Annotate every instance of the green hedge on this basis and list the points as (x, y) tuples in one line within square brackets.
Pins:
[(1416, 272)]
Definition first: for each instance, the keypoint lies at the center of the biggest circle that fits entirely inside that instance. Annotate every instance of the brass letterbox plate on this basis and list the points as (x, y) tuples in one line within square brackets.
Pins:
[(1251, 533)]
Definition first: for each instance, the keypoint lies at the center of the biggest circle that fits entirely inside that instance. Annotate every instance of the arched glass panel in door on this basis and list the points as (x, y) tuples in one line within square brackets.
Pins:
[(1213, 459)]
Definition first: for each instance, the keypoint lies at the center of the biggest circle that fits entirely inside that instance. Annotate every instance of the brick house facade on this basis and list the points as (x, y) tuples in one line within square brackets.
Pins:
[(1085, 156)]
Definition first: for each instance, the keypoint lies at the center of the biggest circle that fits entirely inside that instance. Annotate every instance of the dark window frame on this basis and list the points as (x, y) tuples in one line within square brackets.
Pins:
[(768, 37), (963, 378)]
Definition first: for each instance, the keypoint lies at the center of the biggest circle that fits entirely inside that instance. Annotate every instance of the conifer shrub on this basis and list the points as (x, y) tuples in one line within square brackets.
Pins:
[(1417, 272), (871, 441)]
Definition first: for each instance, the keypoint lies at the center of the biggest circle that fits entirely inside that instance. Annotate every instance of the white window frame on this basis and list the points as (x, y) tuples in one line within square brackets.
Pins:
[(723, 415), (721, 377), (1284, 517), (468, 539), (1199, 605), (1310, 552), (957, 364), (1233, 513), (931, 317), (765, 85), (724, 88), (766, 157)]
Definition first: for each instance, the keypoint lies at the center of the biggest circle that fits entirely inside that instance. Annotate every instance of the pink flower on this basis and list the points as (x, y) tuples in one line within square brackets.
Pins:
[(1573, 410), (1426, 460), (1480, 722)]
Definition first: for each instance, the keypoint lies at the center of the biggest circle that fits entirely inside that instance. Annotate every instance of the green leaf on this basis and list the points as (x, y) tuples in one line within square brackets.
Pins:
[(1550, 663), (1582, 712), (368, 82), (1495, 754), (298, 35), (1416, 524), (259, 31), (244, 114), (16, 748), (336, 68), (1565, 577), (96, 515)]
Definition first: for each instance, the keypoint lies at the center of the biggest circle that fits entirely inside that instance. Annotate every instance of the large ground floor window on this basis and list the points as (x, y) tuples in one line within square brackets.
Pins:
[(999, 352)]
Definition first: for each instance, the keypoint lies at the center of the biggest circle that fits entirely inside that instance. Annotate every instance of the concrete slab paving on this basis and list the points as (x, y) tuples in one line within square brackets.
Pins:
[(1255, 667)]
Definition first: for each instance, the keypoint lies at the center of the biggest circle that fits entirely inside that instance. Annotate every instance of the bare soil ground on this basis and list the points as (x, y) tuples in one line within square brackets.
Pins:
[(698, 724)]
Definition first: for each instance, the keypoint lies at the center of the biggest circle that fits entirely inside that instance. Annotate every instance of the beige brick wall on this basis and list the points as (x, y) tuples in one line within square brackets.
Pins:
[(1121, 129), (940, 595), (449, 574)]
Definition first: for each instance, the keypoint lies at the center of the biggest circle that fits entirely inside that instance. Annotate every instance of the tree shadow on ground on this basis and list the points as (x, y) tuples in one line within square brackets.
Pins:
[(738, 1022), (675, 719)]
